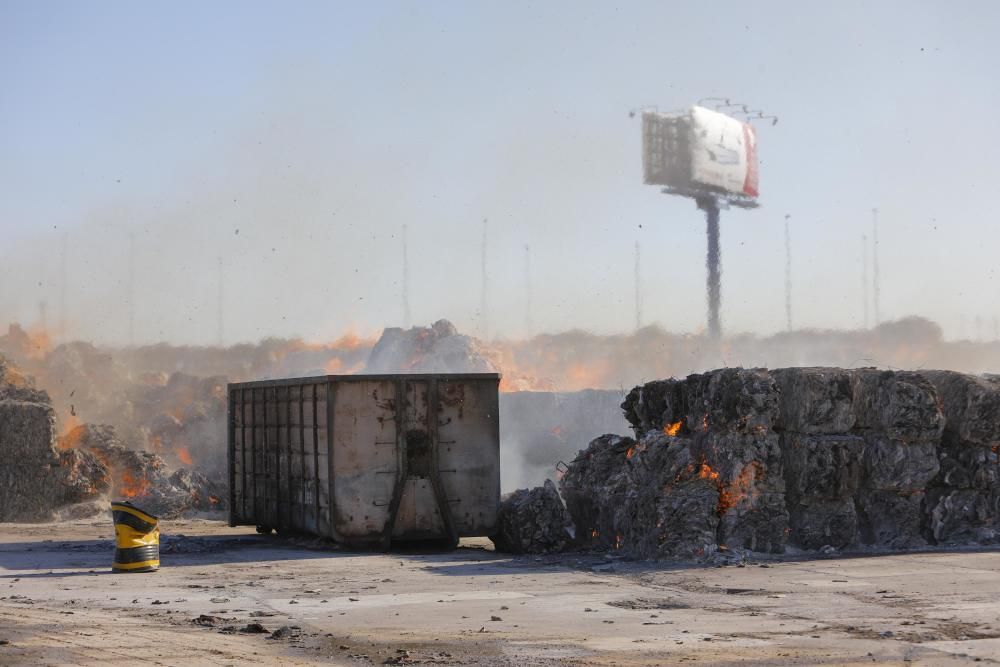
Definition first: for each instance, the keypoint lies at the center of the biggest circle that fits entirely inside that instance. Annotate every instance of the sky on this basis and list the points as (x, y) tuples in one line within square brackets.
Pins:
[(160, 159)]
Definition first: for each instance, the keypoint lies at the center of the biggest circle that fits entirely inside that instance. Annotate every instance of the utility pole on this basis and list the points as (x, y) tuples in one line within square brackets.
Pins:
[(788, 276), (131, 289), (406, 282), (63, 280), (483, 305), (528, 328), (875, 279), (221, 302), (864, 276)]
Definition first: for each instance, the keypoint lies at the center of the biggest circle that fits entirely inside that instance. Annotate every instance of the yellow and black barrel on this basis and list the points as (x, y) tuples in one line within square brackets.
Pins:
[(137, 539)]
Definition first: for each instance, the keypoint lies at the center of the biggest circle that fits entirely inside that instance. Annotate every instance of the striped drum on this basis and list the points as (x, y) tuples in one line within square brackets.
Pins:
[(137, 539)]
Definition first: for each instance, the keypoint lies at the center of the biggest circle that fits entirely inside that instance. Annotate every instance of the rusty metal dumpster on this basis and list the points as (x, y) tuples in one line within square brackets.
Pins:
[(367, 460)]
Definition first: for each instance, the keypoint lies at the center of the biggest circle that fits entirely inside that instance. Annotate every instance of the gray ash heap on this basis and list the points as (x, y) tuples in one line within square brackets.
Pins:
[(810, 458)]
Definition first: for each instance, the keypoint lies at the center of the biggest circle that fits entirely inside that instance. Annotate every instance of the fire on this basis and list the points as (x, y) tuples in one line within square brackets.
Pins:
[(618, 541), (594, 534), (673, 429), (185, 456), (73, 435), (130, 487), (631, 452), (741, 489), (706, 472)]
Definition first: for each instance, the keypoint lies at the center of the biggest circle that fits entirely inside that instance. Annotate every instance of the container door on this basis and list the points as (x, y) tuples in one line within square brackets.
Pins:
[(469, 452), (365, 457), (419, 515)]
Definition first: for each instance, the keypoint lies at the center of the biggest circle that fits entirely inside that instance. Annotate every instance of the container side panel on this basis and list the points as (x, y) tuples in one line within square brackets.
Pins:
[(469, 453), (365, 453)]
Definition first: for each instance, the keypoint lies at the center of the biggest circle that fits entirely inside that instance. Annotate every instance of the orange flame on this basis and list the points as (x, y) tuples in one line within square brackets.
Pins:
[(185, 456), (73, 435), (673, 429), (631, 452), (618, 541), (706, 472), (594, 534), (742, 488), (130, 487)]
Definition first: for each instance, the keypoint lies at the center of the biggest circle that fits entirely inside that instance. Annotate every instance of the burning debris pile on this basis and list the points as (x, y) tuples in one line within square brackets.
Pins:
[(808, 457), (142, 477), (42, 475)]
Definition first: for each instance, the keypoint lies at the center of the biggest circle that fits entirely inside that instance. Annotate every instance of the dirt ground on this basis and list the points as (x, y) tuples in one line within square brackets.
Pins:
[(61, 605)]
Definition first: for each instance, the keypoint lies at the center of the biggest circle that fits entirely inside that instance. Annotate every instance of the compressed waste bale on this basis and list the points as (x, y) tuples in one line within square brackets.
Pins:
[(815, 400), (895, 465), (670, 506), (651, 406), (971, 406), (752, 510), (963, 515), (741, 399), (899, 405), (534, 521), (27, 456), (594, 484), (890, 519), (962, 504), (827, 467), (738, 399), (818, 522), (822, 475)]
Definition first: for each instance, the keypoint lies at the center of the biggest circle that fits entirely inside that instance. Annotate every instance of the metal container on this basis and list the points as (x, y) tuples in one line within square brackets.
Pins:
[(367, 459), (137, 539)]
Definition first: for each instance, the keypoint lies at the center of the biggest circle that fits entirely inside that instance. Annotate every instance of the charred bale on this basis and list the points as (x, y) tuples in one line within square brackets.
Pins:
[(534, 521), (651, 406), (27, 460), (734, 399), (963, 503), (902, 406), (822, 475), (731, 399), (751, 508), (670, 506), (593, 485), (816, 401)]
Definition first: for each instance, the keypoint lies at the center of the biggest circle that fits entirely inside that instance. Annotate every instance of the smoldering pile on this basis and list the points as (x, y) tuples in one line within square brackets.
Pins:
[(807, 458), (43, 476)]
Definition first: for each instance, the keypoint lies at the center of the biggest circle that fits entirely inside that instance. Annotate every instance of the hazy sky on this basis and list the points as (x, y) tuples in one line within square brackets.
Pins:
[(295, 139)]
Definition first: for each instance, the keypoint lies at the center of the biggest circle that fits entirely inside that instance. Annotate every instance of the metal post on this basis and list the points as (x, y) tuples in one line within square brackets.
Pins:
[(788, 276), (714, 264)]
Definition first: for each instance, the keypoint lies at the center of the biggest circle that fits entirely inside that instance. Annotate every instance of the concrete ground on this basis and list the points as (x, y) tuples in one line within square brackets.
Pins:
[(61, 605)]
